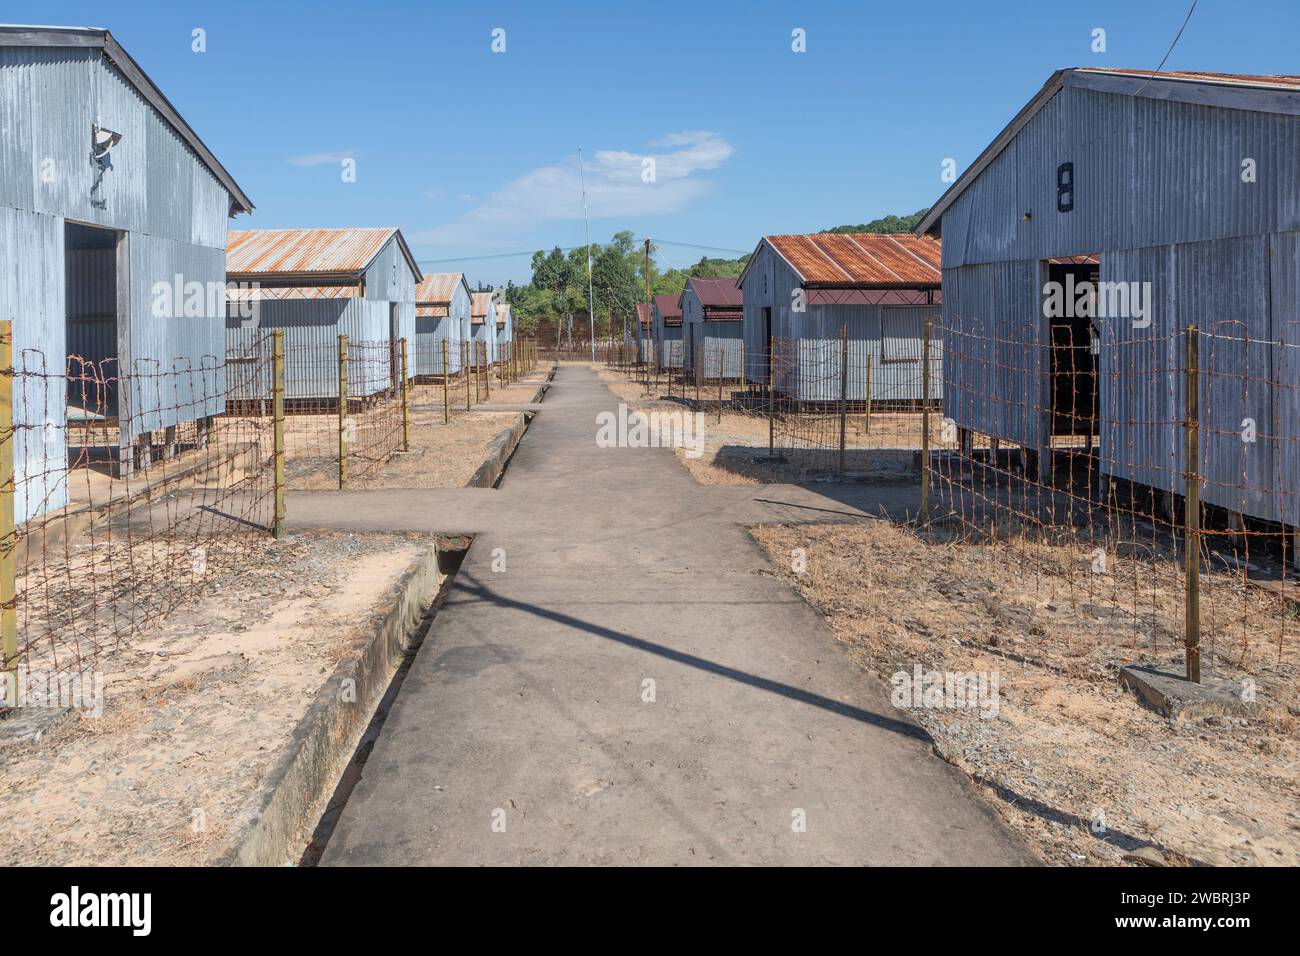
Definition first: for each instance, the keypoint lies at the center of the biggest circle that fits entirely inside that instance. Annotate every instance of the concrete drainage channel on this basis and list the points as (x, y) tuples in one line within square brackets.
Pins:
[(305, 794), (333, 737), (503, 446)]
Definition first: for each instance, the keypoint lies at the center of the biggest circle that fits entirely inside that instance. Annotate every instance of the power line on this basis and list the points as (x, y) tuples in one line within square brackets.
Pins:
[(523, 252), (1190, 11)]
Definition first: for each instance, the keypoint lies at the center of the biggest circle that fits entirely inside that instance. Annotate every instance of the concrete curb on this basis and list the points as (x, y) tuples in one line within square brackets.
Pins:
[(505, 443), (293, 796), (501, 448)]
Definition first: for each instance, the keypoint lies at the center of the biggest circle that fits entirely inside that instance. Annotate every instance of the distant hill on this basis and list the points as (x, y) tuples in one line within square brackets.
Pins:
[(886, 224)]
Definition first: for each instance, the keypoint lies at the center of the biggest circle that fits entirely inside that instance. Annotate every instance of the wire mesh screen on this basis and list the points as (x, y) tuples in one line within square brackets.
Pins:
[(833, 408), (1150, 474), (133, 490), (338, 402)]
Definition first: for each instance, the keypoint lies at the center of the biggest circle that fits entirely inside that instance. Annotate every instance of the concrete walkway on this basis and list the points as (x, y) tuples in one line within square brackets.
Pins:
[(527, 706)]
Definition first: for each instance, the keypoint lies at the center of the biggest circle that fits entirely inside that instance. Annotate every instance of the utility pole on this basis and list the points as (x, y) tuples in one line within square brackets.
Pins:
[(591, 298), (649, 334)]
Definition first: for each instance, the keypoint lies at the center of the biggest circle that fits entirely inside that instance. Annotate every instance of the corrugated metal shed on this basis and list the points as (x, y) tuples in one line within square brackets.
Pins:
[(1158, 198), (804, 291), (159, 212)]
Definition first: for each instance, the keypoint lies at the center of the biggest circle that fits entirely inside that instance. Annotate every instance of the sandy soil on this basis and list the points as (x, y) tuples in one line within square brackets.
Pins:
[(807, 446), (1070, 760), (441, 456), (195, 713)]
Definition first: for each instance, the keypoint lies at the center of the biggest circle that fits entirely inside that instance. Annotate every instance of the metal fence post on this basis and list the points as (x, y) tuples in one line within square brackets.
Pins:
[(8, 525), (1192, 508), (343, 412), (446, 385), (277, 427), (771, 396), (844, 396), (406, 403), (866, 424), (925, 424), (722, 355)]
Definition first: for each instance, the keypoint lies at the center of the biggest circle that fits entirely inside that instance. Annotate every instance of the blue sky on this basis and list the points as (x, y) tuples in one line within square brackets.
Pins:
[(473, 153)]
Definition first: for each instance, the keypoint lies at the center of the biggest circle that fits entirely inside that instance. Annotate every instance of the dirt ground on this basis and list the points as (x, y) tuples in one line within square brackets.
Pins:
[(196, 712), (1070, 760), (441, 455), (736, 444)]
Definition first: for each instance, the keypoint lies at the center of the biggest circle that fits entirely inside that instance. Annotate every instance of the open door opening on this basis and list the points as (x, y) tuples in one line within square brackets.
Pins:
[(1074, 352), (93, 335)]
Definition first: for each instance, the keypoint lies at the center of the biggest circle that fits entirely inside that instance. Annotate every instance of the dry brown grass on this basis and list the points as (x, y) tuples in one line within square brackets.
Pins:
[(1067, 745)]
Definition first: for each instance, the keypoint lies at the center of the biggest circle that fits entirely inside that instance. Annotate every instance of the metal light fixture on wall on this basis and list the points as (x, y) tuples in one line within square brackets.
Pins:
[(102, 141)]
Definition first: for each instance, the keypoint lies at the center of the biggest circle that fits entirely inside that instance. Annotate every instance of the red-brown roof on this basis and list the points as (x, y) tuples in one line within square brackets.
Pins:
[(669, 305), (1280, 81), (644, 313), (271, 253), (478, 307), (437, 289), (716, 293), (861, 258)]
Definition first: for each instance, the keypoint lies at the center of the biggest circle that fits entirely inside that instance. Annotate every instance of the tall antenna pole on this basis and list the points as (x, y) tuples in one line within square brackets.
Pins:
[(591, 298)]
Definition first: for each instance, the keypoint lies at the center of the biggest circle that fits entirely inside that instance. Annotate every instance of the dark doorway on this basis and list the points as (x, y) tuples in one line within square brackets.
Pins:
[(1074, 348), (91, 298)]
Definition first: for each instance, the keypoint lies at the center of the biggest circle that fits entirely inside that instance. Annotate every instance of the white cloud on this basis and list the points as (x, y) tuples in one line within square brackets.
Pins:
[(320, 159), (614, 190)]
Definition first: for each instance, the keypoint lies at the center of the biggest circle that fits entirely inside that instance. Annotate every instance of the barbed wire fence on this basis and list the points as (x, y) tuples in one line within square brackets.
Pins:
[(1069, 456), (1153, 474), (124, 494)]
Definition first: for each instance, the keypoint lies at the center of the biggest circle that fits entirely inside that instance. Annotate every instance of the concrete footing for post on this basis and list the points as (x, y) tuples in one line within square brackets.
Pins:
[(1168, 692)]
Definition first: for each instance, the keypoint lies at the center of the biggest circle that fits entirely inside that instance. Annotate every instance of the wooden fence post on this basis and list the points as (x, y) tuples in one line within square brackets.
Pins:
[(465, 371), (446, 385), (487, 373), (343, 412), (925, 424), (277, 427), (1192, 508), (8, 520)]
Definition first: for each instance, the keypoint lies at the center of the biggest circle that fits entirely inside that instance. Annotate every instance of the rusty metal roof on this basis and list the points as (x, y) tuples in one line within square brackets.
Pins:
[(716, 293), (478, 307), (669, 305), (861, 258), (433, 311), (503, 313), (437, 288), (306, 252), (645, 313), (1279, 81)]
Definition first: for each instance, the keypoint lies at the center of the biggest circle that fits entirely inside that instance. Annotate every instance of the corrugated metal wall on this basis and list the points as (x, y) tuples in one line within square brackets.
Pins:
[(1159, 195), (311, 330), (173, 208), (31, 296)]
